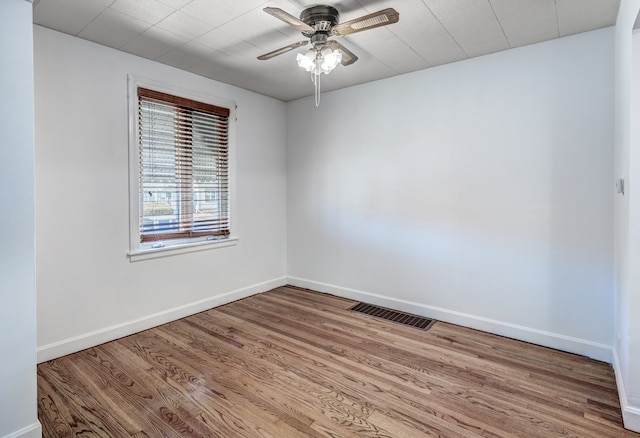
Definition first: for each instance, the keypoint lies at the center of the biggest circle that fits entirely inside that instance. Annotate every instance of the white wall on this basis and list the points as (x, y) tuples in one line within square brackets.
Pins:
[(18, 408), (627, 214), (478, 192), (88, 291)]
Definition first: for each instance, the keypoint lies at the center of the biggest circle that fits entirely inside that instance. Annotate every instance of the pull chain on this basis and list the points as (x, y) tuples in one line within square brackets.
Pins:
[(315, 77)]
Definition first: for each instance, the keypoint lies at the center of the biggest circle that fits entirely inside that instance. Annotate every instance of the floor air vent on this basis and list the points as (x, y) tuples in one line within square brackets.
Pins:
[(393, 315)]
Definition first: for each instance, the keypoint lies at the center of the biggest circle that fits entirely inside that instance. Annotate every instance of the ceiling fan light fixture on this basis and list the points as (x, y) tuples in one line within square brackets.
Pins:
[(317, 60), (330, 59), (307, 60), (318, 23)]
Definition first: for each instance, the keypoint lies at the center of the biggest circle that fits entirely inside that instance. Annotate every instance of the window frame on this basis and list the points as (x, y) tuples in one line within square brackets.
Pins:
[(145, 250)]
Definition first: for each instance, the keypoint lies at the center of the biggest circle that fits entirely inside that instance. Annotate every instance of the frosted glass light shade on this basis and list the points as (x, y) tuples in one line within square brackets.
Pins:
[(319, 61), (330, 59), (308, 60)]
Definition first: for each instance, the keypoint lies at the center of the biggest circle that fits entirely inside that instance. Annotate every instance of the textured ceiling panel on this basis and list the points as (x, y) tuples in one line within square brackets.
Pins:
[(68, 16), (184, 25), (153, 43), (425, 34), (525, 21), (221, 39), (176, 4), (114, 29), (382, 44), (576, 16), (471, 23), (150, 11)]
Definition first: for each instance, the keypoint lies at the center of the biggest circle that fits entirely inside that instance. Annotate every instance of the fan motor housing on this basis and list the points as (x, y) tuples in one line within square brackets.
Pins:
[(320, 17)]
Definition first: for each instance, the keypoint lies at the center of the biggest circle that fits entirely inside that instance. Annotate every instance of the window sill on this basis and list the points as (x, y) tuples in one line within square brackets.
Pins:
[(171, 250)]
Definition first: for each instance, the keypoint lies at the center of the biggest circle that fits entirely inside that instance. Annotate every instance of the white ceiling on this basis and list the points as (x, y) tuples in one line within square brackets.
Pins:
[(220, 39)]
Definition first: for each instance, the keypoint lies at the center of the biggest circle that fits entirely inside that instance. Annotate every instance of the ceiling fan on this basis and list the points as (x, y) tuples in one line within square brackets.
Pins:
[(318, 23)]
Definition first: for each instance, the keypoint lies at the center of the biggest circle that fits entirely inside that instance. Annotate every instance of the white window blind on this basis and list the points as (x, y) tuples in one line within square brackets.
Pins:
[(183, 168)]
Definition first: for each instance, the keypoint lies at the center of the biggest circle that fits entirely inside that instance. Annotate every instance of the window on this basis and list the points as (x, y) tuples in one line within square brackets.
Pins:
[(182, 166)]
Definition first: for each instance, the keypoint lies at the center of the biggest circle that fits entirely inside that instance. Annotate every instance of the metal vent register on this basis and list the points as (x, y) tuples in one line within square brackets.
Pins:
[(393, 315)]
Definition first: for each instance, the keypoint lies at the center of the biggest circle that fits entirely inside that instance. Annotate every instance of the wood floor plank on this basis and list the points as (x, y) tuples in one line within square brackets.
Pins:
[(307, 370), (278, 381), (296, 363), (385, 382)]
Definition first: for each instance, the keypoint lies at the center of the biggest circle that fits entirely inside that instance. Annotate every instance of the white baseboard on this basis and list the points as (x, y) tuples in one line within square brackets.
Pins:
[(97, 337), (32, 431), (630, 414), (582, 347)]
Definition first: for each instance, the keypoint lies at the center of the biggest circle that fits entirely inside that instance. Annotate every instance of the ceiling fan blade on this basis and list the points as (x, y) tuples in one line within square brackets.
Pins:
[(348, 57), (282, 50), (290, 19), (377, 19)]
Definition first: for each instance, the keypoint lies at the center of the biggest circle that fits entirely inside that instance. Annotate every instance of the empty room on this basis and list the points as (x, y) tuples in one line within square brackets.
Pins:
[(251, 218)]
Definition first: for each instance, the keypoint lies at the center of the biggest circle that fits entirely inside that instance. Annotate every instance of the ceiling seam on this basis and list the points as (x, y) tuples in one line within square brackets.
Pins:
[(95, 18), (411, 48), (445, 29), (555, 3), (506, 38)]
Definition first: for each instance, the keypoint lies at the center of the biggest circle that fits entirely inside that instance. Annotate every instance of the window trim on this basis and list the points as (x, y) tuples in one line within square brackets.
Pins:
[(147, 250)]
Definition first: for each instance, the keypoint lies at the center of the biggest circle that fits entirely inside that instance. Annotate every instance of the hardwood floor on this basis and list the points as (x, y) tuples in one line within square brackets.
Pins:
[(294, 363)]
